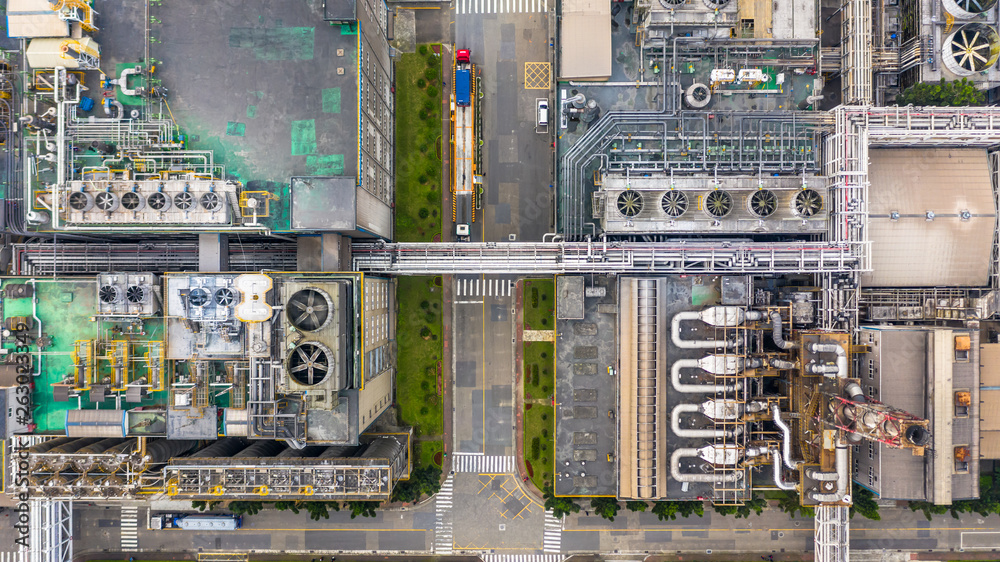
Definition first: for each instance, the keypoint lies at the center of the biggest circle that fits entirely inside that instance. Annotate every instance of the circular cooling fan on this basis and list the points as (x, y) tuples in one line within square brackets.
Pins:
[(198, 297), (718, 203), (310, 363), (629, 203), (309, 309), (183, 200), (808, 203), (763, 203), (674, 203)]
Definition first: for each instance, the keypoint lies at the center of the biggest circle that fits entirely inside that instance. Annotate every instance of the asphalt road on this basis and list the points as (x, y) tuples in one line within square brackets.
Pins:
[(517, 160)]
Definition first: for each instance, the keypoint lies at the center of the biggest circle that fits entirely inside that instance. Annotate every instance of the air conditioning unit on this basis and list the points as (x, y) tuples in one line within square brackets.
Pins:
[(317, 335), (155, 203), (127, 294), (700, 205)]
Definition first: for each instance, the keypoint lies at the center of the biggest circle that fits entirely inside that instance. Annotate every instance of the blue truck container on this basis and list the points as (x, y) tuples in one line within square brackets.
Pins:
[(463, 87)]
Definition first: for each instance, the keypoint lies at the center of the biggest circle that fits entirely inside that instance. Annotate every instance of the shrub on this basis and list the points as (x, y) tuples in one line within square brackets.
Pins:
[(424, 304), (422, 50), (425, 332), (421, 83), (431, 74), (534, 297), (432, 91), (535, 446), (423, 213), (545, 417)]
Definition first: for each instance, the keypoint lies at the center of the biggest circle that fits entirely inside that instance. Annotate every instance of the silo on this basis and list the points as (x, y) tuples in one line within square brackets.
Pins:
[(163, 450), (101, 446), (44, 446), (304, 452)]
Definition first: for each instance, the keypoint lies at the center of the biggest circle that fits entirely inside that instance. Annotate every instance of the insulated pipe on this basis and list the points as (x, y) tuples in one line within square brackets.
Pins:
[(781, 484), (833, 348), (779, 340), (854, 392), (815, 474), (782, 364), (786, 443), (675, 424), (677, 475), (675, 334), (843, 479), (675, 379), (823, 369)]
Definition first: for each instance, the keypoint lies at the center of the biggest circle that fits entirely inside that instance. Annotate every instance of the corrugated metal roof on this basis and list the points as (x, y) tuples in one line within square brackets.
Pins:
[(913, 251), (989, 361), (989, 444), (989, 411), (585, 40)]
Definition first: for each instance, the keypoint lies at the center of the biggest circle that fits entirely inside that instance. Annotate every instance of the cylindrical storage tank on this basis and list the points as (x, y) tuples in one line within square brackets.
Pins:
[(49, 444), (163, 450), (222, 448), (74, 445), (383, 448), (260, 449), (95, 423), (235, 423), (337, 452), (101, 446), (304, 452)]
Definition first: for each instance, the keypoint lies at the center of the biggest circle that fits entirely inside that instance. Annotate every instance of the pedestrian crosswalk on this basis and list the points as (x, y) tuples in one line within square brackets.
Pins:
[(522, 558), (552, 539), (465, 287), (444, 541), (483, 464), (130, 527), (501, 6)]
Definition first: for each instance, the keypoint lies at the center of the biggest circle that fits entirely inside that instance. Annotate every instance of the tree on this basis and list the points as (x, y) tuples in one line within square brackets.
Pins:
[(864, 503), (636, 506), (423, 480), (755, 504), (560, 506), (790, 504), (287, 506), (605, 507), (245, 508), (956, 93), (317, 511), (671, 510), (362, 508), (204, 505)]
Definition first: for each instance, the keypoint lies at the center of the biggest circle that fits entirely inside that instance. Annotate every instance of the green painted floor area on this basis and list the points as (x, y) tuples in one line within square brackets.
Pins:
[(134, 81), (325, 165), (331, 100), (282, 43), (303, 137), (65, 310)]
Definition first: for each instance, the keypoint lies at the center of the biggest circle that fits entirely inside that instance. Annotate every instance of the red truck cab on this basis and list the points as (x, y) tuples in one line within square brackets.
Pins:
[(462, 55)]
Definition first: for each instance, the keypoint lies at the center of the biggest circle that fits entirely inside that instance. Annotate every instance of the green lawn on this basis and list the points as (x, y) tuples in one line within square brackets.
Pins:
[(420, 349), (539, 384), (418, 134), (426, 450), (539, 304), (539, 369)]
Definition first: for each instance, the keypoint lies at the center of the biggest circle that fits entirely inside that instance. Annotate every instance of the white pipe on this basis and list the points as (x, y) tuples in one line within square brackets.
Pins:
[(786, 443), (843, 479), (778, 481), (776, 335), (675, 334), (815, 474), (675, 424), (677, 475), (675, 379), (782, 364), (833, 348)]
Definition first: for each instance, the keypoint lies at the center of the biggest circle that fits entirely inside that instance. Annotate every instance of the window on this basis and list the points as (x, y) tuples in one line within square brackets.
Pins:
[(963, 398), (962, 457), (871, 450), (963, 344)]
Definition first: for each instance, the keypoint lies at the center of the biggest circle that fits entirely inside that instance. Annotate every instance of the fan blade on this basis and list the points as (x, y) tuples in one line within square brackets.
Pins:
[(314, 319), (315, 354), (978, 56), (297, 304), (311, 298), (302, 354), (298, 321), (299, 368), (320, 366), (319, 307)]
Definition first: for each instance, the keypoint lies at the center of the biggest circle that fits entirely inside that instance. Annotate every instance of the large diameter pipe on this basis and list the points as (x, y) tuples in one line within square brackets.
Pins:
[(677, 475), (778, 481), (675, 424), (854, 392), (843, 478), (675, 379), (786, 443), (833, 348), (776, 335), (675, 334)]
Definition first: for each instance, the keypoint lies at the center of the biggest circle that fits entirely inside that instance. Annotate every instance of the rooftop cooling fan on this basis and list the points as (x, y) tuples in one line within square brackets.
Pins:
[(674, 203), (808, 203), (310, 363), (198, 297), (716, 4), (211, 201), (132, 201), (81, 201), (718, 203), (135, 294), (763, 203), (183, 200), (109, 294), (158, 201), (225, 297), (309, 309), (106, 201), (671, 3), (972, 48), (629, 203)]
